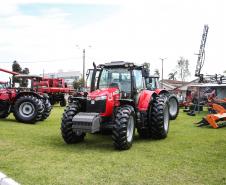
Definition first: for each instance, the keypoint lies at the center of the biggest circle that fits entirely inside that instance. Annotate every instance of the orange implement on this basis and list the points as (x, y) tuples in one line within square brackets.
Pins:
[(212, 119)]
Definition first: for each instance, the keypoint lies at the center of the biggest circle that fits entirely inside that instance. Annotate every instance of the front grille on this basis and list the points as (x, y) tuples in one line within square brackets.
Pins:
[(96, 106)]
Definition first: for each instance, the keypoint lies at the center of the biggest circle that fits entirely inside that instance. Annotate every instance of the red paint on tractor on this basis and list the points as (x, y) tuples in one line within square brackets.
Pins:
[(144, 99), (112, 99)]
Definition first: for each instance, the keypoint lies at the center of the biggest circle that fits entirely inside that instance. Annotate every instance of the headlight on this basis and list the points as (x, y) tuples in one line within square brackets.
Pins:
[(100, 98)]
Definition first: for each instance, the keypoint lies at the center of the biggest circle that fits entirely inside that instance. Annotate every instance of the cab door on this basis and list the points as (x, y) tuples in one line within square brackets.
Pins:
[(138, 84)]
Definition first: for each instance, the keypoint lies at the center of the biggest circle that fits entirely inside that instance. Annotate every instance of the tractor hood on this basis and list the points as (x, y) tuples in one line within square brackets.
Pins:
[(103, 92)]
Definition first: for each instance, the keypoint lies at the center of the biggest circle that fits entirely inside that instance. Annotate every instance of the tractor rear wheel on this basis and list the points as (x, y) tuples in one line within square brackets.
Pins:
[(47, 109), (123, 130), (159, 118), (67, 132), (173, 107), (28, 109)]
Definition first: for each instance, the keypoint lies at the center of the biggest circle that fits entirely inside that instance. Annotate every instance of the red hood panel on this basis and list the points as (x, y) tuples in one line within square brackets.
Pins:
[(102, 92)]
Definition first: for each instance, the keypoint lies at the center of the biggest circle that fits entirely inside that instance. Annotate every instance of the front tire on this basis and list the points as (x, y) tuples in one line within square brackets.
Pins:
[(159, 118), (47, 109), (67, 132), (4, 114), (28, 109), (63, 102), (123, 130)]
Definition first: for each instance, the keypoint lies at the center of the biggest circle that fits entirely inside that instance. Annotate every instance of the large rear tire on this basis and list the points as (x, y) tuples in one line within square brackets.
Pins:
[(28, 109), (173, 107), (123, 130), (159, 118), (67, 132)]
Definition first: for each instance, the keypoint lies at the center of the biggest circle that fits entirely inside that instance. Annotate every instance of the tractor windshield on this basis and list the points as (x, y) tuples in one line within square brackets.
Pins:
[(115, 77)]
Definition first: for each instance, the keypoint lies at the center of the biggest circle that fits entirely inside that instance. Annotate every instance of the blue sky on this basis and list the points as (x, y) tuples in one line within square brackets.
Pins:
[(76, 14)]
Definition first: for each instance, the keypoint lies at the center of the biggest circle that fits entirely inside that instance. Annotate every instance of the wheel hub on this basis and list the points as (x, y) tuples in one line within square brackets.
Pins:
[(173, 106), (166, 118), (130, 129), (27, 109)]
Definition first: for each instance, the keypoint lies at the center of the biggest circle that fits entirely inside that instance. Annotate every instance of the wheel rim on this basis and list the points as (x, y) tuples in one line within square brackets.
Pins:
[(26, 109), (173, 106), (166, 118), (130, 129)]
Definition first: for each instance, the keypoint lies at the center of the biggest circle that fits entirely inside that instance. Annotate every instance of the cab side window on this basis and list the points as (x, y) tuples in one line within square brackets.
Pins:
[(138, 79)]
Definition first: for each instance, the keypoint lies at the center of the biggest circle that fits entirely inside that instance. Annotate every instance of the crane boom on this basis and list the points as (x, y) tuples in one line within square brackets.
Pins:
[(201, 55)]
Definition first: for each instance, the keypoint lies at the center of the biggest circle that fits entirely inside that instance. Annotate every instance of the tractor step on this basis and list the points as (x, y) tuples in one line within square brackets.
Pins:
[(86, 122)]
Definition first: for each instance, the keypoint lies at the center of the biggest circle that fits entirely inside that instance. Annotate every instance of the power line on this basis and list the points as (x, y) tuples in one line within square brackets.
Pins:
[(47, 61)]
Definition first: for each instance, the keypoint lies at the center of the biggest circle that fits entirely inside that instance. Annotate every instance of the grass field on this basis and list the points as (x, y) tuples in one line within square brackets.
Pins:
[(37, 155)]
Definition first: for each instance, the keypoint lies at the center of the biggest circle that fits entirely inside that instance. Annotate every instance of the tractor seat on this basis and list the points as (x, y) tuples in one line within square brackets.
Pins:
[(113, 84), (125, 86)]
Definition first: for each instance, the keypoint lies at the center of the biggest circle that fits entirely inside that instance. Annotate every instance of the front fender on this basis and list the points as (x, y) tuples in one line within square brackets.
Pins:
[(161, 91), (144, 99)]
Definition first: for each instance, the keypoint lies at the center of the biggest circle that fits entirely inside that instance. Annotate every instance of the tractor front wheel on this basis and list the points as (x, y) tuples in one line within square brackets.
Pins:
[(47, 109), (63, 102), (67, 132), (123, 130)]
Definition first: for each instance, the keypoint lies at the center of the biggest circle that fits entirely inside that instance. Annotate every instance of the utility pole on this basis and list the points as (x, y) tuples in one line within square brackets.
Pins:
[(162, 59), (84, 61)]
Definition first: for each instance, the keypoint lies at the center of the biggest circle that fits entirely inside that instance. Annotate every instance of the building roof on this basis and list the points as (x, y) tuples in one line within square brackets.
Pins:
[(62, 74)]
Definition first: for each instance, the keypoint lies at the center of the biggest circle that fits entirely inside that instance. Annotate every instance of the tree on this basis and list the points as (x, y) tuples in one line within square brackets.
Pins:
[(24, 82), (172, 76), (25, 71), (78, 83), (156, 72), (17, 68), (182, 66)]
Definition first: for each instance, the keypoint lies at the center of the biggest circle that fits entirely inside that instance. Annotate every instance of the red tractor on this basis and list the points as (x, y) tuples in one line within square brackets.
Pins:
[(118, 100), (26, 105), (56, 89)]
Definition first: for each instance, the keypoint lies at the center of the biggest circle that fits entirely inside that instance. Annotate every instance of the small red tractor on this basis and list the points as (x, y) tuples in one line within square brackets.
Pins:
[(56, 89), (118, 100), (26, 105)]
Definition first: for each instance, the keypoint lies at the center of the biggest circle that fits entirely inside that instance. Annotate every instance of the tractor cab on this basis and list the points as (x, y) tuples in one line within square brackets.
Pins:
[(152, 82)]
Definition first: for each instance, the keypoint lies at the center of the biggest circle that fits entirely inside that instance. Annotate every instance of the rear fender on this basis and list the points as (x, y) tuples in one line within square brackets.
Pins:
[(145, 98), (28, 94)]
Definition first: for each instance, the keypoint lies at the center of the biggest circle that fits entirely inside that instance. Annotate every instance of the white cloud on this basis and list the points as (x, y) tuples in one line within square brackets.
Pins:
[(141, 31)]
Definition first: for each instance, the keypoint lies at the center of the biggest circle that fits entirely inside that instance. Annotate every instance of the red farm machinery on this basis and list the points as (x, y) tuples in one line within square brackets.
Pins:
[(56, 89), (119, 100), (26, 105)]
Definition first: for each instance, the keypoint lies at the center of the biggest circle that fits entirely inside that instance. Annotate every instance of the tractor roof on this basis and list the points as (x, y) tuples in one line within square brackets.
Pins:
[(119, 64)]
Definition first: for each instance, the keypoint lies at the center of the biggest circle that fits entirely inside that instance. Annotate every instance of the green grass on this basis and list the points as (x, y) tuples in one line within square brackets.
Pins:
[(36, 154)]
